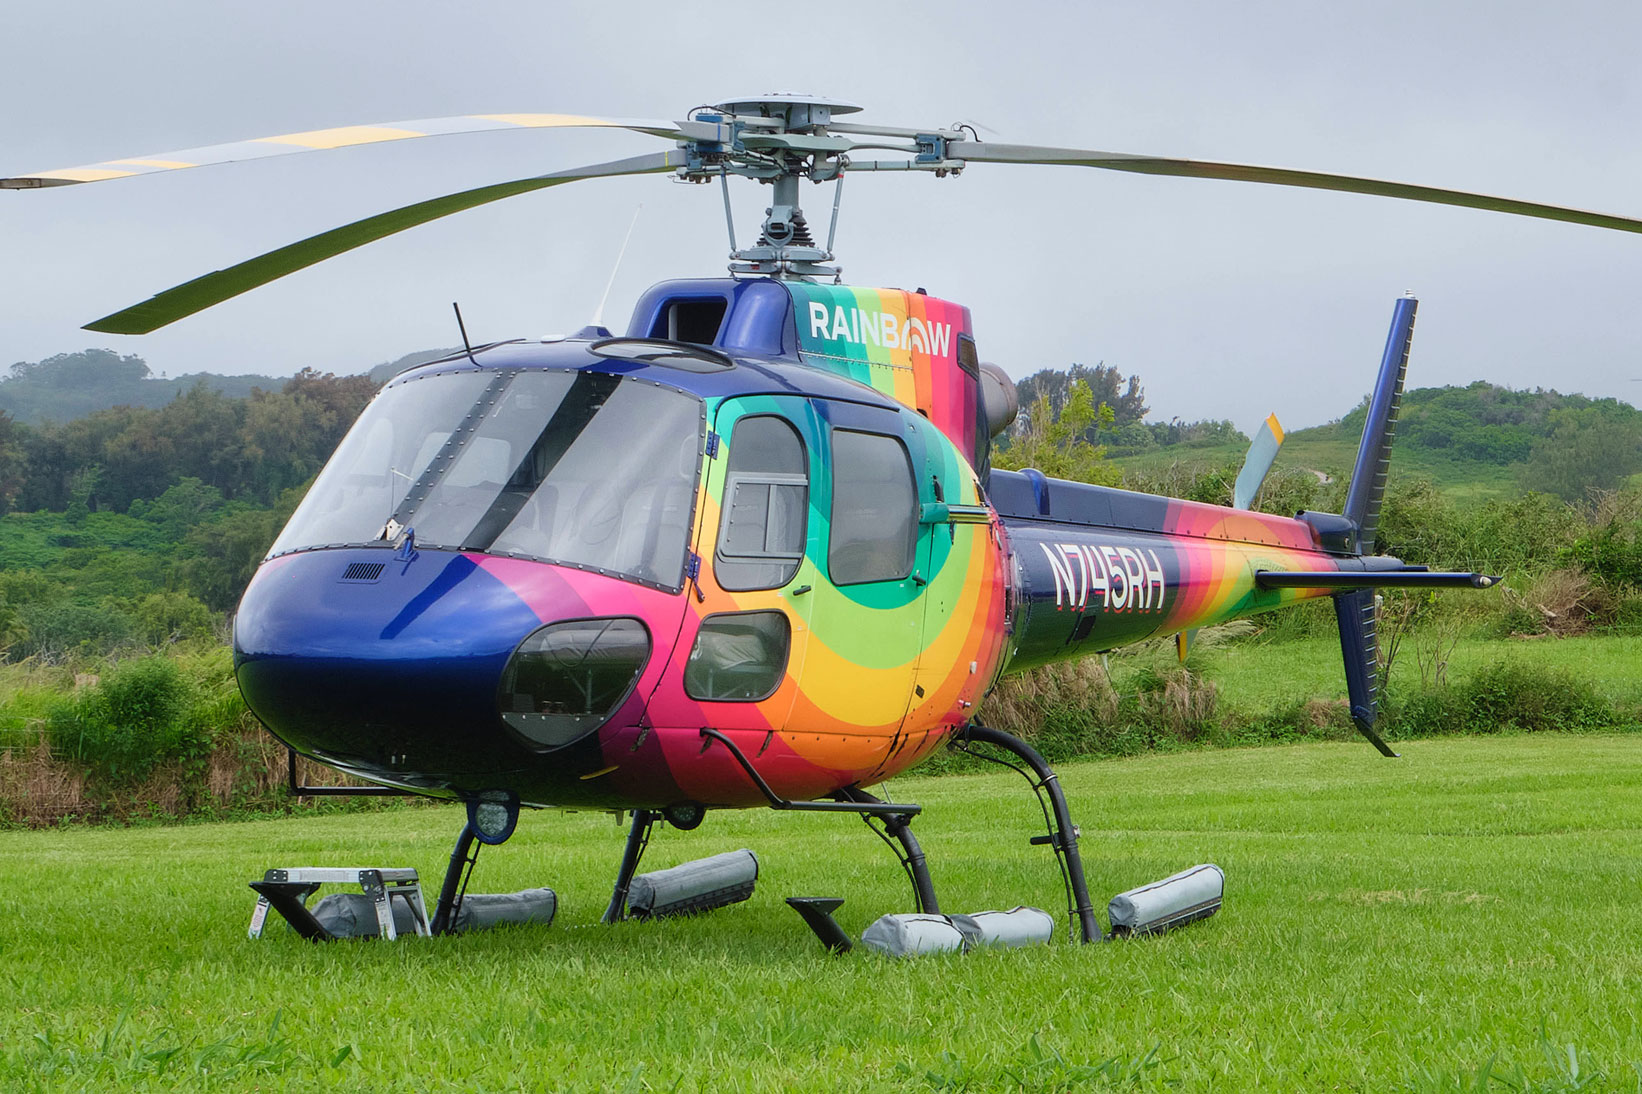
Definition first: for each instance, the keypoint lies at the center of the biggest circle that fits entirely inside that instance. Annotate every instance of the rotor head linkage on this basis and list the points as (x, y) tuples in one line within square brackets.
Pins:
[(779, 140)]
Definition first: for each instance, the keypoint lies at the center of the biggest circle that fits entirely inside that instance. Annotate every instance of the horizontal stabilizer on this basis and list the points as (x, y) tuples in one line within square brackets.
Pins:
[(1370, 579)]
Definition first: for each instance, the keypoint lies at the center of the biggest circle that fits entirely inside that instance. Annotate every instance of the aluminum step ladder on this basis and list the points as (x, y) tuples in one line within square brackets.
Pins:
[(287, 892)]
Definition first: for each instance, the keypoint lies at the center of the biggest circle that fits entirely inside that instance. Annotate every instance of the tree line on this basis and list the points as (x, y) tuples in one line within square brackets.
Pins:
[(140, 523), (249, 448)]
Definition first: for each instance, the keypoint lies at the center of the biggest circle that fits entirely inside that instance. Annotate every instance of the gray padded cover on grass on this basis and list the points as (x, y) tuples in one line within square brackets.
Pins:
[(482, 911), (1177, 899), (1020, 926), (906, 935), (695, 886), (352, 915)]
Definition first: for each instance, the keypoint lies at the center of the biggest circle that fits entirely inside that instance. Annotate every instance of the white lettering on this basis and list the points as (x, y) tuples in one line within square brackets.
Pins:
[(864, 327), (1063, 574), (915, 337), (1114, 570), (1069, 551), (1125, 578), (940, 339), (1100, 581), (1154, 579), (841, 329), (1134, 573)]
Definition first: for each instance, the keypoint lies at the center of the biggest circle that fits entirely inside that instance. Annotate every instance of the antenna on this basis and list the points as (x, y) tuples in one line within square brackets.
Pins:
[(598, 313), (461, 326)]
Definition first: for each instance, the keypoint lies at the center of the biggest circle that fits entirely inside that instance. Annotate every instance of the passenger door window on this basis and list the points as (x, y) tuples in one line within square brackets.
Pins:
[(766, 500)]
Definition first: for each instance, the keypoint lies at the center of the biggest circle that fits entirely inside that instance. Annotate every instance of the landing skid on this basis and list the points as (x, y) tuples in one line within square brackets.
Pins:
[(890, 821), (1063, 834)]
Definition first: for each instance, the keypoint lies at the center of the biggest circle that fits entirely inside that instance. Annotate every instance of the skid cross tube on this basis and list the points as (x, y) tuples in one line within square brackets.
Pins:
[(898, 825), (1063, 837), (868, 804), (462, 858)]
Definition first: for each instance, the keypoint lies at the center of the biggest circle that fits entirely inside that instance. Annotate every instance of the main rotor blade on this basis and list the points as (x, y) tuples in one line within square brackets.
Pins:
[(213, 288), (346, 137), (986, 152)]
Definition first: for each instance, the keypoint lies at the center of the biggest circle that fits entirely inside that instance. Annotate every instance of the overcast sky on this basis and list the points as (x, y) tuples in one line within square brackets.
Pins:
[(1229, 300)]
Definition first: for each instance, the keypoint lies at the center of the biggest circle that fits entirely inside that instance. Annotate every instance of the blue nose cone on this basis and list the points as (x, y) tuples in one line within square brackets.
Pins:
[(384, 666)]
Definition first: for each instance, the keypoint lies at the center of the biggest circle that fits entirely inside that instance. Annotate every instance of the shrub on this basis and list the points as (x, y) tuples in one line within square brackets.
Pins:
[(163, 618), (1172, 703), (137, 716), (53, 631), (1506, 695), (1560, 602)]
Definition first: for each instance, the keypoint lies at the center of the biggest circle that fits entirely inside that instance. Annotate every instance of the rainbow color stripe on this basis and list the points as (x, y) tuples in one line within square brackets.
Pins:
[(906, 345), (879, 674)]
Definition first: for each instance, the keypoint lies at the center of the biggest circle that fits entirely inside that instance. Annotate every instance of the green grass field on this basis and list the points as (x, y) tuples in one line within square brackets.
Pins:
[(1257, 675), (1417, 924)]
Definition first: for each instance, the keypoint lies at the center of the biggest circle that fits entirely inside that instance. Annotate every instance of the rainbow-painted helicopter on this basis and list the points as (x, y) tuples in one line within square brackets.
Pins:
[(751, 551)]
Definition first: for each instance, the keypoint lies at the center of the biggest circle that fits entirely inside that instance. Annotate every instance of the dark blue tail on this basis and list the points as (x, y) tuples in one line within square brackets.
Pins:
[(1374, 453), (1356, 611)]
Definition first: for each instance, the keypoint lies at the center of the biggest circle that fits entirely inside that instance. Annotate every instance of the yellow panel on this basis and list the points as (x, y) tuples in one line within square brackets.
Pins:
[(155, 163), (342, 137), (547, 121), (83, 174), (1276, 427)]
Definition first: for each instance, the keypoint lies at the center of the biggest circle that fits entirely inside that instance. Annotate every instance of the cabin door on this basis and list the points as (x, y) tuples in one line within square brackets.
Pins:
[(866, 620), (742, 646)]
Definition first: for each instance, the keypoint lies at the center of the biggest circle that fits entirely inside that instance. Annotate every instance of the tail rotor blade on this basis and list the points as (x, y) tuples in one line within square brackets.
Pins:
[(1257, 464), (203, 292)]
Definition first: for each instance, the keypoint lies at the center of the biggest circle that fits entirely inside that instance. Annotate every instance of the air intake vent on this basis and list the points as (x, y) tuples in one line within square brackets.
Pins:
[(363, 571)]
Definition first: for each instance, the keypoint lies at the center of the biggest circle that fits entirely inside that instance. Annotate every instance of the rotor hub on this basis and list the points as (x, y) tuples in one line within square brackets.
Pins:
[(776, 139), (796, 113)]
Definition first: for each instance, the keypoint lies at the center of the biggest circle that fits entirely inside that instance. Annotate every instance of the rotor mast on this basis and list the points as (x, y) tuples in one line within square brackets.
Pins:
[(782, 140)]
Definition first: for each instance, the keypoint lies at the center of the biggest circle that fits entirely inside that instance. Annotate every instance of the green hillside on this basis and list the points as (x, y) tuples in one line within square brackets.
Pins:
[(72, 385), (67, 386), (1477, 442)]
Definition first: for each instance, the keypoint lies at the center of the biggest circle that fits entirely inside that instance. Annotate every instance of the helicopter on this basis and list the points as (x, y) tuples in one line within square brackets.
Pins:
[(751, 551)]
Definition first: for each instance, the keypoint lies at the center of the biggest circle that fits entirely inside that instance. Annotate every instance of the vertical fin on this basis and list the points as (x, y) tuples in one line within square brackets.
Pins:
[(1374, 454), (1359, 645)]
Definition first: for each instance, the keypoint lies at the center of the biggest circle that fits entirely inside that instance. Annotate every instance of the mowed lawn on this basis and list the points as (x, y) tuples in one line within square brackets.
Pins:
[(1412, 924)]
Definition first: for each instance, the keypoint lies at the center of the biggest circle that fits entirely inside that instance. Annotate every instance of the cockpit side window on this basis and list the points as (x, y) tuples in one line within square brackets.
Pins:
[(765, 505)]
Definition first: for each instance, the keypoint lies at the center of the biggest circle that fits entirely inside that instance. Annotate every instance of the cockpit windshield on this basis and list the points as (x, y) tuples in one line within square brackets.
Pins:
[(580, 468)]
